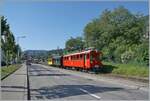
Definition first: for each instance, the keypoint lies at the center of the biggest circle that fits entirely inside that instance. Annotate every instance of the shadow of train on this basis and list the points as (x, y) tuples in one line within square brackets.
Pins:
[(61, 91)]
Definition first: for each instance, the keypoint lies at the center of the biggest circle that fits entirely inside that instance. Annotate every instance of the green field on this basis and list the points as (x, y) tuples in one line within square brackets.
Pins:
[(128, 70), (8, 70)]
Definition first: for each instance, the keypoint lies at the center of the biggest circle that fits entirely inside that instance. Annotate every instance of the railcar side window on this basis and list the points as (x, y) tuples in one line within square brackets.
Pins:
[(95, 56), (77, 57), (71, 57), (80, 56), (87, 56)]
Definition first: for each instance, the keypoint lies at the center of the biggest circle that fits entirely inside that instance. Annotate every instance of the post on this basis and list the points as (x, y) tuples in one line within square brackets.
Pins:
[(18, 46)]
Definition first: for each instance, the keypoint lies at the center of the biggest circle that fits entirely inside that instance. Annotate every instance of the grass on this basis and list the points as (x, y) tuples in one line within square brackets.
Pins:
[(126, 69), (8, 70)]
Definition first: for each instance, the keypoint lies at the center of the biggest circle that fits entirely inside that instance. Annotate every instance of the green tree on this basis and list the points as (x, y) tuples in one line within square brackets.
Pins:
[(75, 43), (8, 44), (116, 32)]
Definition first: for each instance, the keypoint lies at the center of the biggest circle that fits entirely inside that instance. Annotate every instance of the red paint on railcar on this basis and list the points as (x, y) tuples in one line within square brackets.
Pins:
[(85, 60)]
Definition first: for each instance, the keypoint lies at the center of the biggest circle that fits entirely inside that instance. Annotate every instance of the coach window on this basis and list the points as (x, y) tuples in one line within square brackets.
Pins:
[(87, 56), (80, 56), (71, 57), (77, 57)]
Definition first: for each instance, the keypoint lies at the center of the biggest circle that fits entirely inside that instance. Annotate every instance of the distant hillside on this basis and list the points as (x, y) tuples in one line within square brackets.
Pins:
[(32, 52), (42, 54), (38, 54)]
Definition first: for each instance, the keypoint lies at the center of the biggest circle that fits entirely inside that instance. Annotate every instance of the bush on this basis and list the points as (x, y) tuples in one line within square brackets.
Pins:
[(130, 70), (118, 51), (127, 56), (142, 55)]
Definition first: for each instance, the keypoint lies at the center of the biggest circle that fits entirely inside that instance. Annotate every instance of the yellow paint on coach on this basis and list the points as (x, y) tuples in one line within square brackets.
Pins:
[(49, 61)]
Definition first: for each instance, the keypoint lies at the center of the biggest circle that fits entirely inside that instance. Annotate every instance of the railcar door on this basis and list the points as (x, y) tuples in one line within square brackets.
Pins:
[(87, 65), (84, 56)]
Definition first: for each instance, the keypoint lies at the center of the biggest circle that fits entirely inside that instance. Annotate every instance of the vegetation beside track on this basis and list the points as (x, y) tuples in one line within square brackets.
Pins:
[(128, 70), (5, 71)]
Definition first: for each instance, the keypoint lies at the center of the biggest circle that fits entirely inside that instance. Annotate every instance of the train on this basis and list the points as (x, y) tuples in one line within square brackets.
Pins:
[(89, 60), (50, 61)]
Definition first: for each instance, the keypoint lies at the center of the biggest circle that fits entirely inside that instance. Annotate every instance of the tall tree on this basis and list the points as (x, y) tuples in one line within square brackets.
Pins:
[(75, 43), (8, 43), (117, 33)]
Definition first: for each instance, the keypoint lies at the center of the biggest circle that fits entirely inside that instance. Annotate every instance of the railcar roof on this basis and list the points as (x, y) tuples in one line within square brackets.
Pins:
[(88, 51), (56, 57)]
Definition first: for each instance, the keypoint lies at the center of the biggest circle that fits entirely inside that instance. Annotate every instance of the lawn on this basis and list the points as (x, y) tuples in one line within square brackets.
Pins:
[(126, 69), (8, 70)]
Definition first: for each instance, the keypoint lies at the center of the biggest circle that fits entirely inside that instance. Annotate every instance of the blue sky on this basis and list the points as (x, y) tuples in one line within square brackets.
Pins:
[(48, 24)]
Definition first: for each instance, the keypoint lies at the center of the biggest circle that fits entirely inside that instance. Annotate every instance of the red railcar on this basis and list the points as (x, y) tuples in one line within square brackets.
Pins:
[(87, 60)]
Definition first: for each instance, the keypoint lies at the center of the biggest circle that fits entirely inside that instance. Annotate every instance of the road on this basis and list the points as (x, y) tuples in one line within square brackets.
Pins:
[(51, 83), (58, 84)]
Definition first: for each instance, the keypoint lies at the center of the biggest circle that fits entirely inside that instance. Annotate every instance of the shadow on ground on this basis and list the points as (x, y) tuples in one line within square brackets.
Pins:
[(16, 87), (40, 71), (107, 69), (61, 91), (12, 89), (42, 74)]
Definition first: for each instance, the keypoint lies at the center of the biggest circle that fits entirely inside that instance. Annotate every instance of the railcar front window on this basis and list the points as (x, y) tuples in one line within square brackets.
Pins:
[(95, 57)]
